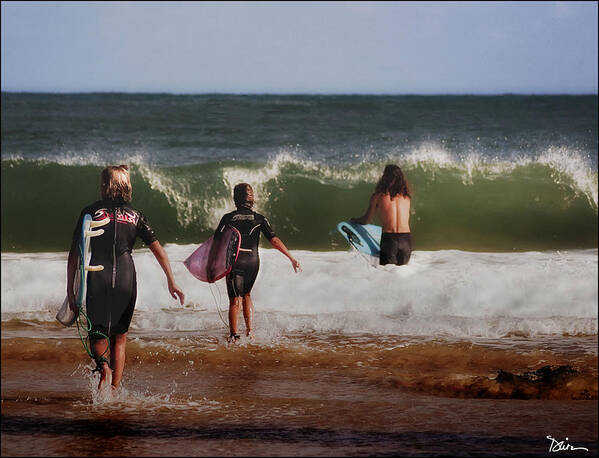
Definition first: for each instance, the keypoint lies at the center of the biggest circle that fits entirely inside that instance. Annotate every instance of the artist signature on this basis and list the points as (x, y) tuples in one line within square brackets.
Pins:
[(560, 446)]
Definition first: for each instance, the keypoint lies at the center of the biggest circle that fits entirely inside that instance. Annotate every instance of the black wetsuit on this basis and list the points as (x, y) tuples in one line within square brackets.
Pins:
[(111, 292), (249, 223), (396, 248)]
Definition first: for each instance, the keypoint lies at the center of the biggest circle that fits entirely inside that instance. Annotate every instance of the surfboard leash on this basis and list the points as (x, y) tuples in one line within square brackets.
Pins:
[(217, 302), (86, 326), (355, 242), (360, 253)]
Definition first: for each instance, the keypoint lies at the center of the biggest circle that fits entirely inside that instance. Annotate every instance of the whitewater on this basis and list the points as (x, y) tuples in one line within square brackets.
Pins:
[(486, 340), (440, 293)]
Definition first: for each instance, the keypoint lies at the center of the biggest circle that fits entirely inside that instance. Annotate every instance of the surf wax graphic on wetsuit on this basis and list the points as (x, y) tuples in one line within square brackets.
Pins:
[(112, 292), (249, 224)]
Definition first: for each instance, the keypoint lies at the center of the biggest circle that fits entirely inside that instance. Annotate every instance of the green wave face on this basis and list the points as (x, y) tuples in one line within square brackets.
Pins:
[(540, 204)]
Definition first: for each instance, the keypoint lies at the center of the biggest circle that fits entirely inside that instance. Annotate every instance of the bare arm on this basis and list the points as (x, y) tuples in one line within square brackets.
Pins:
[(162, 259), (71, 269), (277, 243), (369, 215)]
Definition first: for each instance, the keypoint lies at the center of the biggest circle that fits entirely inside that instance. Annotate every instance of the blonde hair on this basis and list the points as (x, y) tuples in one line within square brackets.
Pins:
[(115, 183)]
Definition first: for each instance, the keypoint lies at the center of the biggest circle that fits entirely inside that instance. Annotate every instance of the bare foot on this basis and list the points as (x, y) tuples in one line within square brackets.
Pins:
[(250, 334), (105, 376)]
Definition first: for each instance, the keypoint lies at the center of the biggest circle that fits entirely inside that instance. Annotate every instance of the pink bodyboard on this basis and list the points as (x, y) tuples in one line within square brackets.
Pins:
[(226, 250)]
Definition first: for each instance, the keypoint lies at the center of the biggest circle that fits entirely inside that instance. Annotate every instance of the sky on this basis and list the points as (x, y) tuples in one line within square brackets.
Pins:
[(300, 47)]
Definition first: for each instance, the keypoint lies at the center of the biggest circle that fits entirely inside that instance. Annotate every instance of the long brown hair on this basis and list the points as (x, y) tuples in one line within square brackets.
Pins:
[(393, 182), (243, 195), (115, 183)]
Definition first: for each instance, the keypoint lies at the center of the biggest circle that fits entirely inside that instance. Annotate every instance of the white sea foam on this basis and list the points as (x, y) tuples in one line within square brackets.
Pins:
[(447, 292), (569, 167), (82, 158), (574, 167)]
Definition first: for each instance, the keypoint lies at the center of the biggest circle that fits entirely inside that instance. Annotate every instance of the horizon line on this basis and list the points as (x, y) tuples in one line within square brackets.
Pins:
[(432, 94)]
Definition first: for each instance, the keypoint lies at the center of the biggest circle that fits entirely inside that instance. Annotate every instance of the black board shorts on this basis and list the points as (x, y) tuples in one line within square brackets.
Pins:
[(396, 248), (241, 279)]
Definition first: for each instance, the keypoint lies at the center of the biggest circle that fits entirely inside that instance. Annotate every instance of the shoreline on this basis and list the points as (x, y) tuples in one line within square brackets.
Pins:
[(253, 401)]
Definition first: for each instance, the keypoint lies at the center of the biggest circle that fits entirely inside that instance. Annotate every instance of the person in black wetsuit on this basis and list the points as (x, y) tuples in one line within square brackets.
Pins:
[(241, 278), (392, 197), (111, 292)]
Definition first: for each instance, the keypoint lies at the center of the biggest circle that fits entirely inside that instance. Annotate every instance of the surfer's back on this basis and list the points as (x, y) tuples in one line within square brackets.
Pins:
[(394, 212)]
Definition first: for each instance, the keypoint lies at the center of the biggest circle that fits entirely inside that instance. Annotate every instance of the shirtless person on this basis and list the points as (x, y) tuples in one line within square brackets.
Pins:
[(392, 198)]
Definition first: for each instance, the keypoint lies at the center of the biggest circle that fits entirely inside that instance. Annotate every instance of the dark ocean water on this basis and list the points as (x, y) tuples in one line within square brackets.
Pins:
[(471, 349), (489, 173)]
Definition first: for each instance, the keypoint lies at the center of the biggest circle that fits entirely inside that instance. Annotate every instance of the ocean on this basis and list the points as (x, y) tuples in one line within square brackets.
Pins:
[(484, 344)]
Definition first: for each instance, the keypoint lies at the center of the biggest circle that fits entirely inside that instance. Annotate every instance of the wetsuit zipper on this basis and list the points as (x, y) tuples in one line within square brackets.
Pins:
[(114, 252)]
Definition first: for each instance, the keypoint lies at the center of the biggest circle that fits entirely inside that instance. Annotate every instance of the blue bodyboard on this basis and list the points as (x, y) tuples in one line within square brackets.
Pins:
[(363, 237)]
